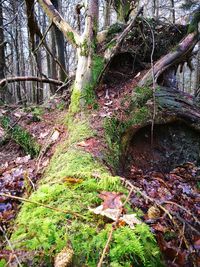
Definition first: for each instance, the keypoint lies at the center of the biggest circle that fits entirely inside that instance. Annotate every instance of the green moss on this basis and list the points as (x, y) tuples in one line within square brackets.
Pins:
[(84, 48), (70, 36), (97, 66), (114, 129), (79, 129), (47, 231), (3, 263), (89, 90), (138, 113), (87, 95), (139, 247), (21, 137), (140, 96), (75, 101), (193, 27)]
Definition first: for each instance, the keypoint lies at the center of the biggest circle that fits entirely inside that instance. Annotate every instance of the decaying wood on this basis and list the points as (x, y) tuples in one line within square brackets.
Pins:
[(109, 54), (181, 53), (177, 105)]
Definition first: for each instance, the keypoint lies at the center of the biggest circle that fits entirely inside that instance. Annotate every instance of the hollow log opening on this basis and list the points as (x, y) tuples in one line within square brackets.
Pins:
[(173, 144), (122, 67)]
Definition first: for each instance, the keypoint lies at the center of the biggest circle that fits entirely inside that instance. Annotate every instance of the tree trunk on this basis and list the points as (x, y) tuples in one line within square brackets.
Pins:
[(173, 11), (107, 13), (60, 43), (2, 51), (85, 55)]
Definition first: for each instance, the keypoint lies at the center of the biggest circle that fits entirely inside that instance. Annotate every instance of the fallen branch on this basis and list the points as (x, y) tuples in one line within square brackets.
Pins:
[(132, 188), (5, 81), (179, 55), (42, 205)]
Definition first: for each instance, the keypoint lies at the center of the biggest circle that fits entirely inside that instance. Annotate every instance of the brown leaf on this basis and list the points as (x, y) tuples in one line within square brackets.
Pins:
[(72, 180), (83, 144), (112, 200)]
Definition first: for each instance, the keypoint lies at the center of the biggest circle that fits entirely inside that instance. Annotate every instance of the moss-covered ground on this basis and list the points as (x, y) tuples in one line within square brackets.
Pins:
[(46, 231)]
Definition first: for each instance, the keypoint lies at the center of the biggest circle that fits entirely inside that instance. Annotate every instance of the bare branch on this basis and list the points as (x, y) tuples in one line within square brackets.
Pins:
[(71, 35), (5, 81)]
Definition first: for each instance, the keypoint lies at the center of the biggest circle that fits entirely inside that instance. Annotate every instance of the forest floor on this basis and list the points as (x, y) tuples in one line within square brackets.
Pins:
[(171, 195)]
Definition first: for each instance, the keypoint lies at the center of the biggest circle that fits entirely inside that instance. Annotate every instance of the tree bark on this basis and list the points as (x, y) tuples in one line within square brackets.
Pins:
[(60, 43), (181, 54), (70, 34), (2, 50)]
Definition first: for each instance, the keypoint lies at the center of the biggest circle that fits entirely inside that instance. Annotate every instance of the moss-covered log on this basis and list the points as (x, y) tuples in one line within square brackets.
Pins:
[(75, 177), (171, 106), (44, 232)]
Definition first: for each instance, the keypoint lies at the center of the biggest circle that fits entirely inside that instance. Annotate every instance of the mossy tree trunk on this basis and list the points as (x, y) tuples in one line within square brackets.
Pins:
[(123, 9), (85, 45)]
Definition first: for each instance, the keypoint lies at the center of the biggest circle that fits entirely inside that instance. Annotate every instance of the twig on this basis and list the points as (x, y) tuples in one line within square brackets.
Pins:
[(42, 205), (106, 246), (10, 245), (43, 38), (154, 82), (112, 230), (181, 207)]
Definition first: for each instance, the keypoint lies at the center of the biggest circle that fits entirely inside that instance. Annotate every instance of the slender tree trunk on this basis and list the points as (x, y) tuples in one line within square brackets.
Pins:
[(17, 45), (39, 73), (52, 69), (86, 51), (173, 11), (107, 14), (2, 51), (197, 71), (60, 43)]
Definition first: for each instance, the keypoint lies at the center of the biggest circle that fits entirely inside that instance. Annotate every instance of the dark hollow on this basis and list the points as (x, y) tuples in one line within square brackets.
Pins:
[(173, 145)]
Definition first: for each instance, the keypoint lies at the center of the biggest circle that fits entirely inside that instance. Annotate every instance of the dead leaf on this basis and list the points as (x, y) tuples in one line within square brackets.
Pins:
[(72, 180), (83, 144), (112, 200), (113, 214), (130, 219), (55, 135)]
